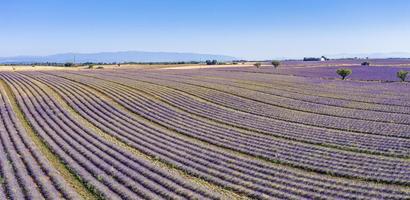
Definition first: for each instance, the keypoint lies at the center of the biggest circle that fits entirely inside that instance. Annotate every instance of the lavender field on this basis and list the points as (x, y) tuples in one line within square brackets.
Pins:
[(381, 70), (295, 132)]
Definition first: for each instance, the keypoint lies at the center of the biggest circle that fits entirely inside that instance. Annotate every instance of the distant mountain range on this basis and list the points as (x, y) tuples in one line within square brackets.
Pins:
[(110, 57), (142, 56), (372, 55)]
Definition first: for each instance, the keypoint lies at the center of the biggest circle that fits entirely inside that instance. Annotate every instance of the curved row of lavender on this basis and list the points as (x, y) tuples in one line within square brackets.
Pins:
[(309, 113), (260, 135), (25, 172), (148, 107), (400, 167), (106, 168), (392, 146), (282, 88)]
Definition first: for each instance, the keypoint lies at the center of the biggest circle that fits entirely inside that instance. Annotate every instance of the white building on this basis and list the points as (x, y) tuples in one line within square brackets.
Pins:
[(323, 58)]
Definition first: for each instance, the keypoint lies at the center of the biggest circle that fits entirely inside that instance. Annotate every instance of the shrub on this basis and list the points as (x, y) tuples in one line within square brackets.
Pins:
[(402, 75), (90, 66), (257, 65), (213, 62), (365, 63), (275, 63), (100, 67), (344, 73), (68, 64)]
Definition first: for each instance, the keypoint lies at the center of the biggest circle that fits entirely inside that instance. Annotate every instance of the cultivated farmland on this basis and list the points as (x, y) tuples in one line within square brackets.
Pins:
[(296, 132)]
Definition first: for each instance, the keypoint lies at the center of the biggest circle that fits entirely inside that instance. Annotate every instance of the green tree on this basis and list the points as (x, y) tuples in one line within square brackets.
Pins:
[(344, 73), (211, 62), (402, 75), (275, 63)]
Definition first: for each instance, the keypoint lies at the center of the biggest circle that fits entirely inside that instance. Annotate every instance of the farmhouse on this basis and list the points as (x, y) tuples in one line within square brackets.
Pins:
[(323, 58)]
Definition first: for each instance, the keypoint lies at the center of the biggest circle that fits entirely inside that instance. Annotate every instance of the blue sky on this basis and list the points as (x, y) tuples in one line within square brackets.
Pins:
[(252, 29)]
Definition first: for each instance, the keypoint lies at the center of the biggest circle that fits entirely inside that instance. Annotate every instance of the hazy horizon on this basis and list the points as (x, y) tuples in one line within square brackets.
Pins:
[(258, 29), (372, 55)]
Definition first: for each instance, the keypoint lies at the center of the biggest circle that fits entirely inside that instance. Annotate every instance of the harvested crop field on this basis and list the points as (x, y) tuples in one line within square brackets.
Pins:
[(207, 133)]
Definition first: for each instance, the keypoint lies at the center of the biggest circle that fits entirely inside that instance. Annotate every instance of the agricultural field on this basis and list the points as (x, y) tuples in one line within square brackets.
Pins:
[(379, 70), (215, 132)]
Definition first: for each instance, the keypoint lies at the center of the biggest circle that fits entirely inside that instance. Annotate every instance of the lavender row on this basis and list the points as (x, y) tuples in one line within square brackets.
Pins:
[(123, 99), (361, 90), (282, 101), (69, 155), (380, 145), (168, 182), (300, 95), (284, 91), (247, 103), (291, 102), (114, 172), (26, 172), (373, 143), (347, 161), (175, 154), (73, 98)]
